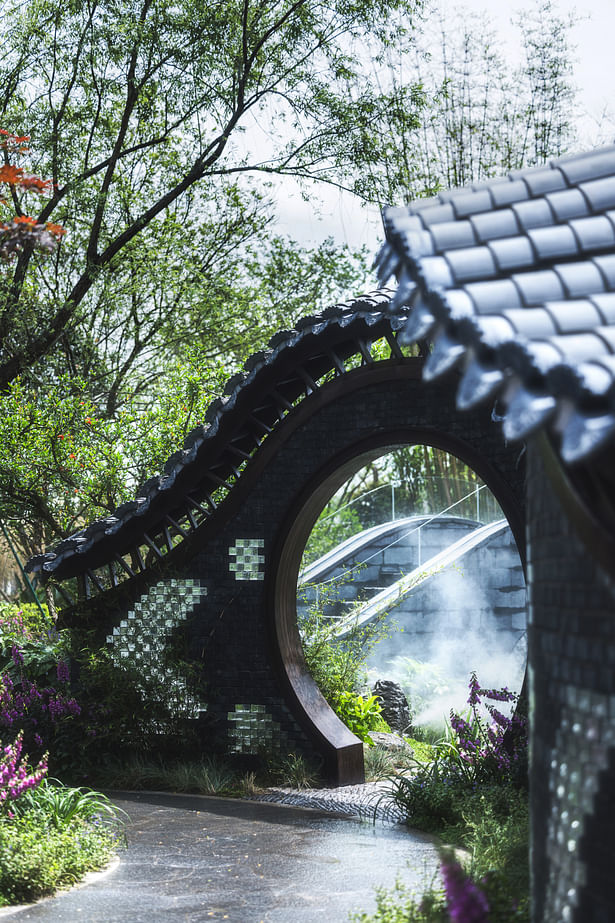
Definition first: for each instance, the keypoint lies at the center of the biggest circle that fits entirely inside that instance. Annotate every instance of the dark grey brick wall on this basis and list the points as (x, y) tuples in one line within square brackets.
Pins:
[(572, 716)]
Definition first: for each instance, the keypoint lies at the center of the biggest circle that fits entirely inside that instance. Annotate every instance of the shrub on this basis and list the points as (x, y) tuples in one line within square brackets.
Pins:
[(361, 715), (36, 858), (485, 752), (401, 906), (338, 666), (24, 622), (33, 710)]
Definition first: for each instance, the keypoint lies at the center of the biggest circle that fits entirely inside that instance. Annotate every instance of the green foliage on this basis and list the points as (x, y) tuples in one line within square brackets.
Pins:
[(34, 634), (361, 715), (429, 798), (497, 832), (492, 824), (423, 752), (480, 114), (23, 621), (60, 806), (54, 837), (407, 481), (40, 657), (36, 858), (141, 130), (121, 713), (330, 530), (337, 667), (399, 905)]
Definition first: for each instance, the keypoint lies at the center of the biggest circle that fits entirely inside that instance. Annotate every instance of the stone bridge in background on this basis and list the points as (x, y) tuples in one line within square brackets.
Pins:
[(438, 584)]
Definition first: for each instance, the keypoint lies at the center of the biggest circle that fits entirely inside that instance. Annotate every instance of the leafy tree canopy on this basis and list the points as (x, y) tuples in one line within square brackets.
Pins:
[(158, 127), (144, 114)]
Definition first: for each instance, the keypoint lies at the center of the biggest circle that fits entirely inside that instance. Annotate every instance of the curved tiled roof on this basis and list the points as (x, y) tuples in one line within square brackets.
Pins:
[(170, 506), (514, 279)]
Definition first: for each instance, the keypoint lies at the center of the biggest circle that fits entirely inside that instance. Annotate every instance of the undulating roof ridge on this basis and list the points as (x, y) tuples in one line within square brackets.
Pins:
[(204, 458), (515, 278)]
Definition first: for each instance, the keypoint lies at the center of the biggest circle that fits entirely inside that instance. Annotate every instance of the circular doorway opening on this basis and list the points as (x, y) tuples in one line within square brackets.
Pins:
[(411, 575)]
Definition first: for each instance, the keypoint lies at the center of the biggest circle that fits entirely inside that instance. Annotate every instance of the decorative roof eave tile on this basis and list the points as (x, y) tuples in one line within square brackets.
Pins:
[(514, 279)]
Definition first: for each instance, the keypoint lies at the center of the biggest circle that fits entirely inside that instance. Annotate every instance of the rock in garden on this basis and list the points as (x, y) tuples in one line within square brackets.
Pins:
[(394, 704), (392, 742)]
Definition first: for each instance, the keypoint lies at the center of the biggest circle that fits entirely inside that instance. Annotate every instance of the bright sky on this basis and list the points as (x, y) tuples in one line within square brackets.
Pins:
[(592, 34)]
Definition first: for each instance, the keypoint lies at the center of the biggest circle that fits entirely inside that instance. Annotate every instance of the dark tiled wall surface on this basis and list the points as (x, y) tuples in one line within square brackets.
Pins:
[(217, 592), (572, 713)]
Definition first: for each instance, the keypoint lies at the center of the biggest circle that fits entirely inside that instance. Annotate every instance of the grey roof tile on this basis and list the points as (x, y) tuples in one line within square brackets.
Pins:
[(537, 287), (496, 295), (509, 193), (535, 325), (595, 233), (452, 234), (544, 180), (571, 203), (512, 253), (535, 213), (553, 242), (606, 265), (579, 168), (532, 322), (605, 304), (471, 263), (581, 278), (437, 213), (471, 203), (495, 224), (600, 193), (572, 316)]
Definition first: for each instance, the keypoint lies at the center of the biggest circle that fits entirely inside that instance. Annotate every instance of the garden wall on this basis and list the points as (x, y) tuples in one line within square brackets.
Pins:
[(227, 594)]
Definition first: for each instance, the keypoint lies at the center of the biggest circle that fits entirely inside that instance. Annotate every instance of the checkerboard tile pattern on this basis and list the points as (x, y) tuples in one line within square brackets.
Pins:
[(139, 640), (253, 730), (246, 559)]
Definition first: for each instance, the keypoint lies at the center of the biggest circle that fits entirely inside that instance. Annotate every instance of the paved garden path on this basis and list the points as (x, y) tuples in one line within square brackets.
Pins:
[(200, 858)]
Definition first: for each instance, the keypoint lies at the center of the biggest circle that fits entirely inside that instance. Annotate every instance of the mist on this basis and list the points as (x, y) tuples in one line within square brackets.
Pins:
[(457, 632)]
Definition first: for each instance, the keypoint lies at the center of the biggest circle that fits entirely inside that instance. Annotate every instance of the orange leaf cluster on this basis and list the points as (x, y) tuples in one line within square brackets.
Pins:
[(9, 173), (56, 229), (23, 231)]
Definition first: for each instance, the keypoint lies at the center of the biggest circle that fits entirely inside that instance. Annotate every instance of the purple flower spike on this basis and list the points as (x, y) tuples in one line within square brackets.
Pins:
[(474, 698), (465, 902), (63, 671)]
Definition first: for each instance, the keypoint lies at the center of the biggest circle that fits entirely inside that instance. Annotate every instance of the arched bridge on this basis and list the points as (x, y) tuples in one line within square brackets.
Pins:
[(213, 545)]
